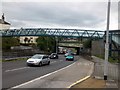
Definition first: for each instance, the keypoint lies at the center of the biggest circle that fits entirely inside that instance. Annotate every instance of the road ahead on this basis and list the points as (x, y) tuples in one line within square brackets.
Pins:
[(16, 72)]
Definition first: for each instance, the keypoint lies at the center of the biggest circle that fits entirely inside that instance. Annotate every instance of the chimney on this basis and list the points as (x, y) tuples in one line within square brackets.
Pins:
[(3, 18)]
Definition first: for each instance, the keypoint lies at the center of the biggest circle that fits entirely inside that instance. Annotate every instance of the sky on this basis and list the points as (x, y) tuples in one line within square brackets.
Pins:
[(60, 14)]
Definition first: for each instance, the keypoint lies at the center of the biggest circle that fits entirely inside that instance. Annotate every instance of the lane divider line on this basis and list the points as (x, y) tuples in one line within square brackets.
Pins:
[(21, 68), (53, 61), (41, 77), (79, 81), (16, 69)]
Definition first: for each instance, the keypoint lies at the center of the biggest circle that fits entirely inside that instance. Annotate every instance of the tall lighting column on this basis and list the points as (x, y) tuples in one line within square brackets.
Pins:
[(107, 43)]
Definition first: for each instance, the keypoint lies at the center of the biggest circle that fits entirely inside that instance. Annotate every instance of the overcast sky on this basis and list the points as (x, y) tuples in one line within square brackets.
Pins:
[(82, 15)]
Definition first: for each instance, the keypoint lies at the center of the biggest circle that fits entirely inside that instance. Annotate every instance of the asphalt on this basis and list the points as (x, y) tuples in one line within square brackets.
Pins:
[(71, 75), (62, 78), (16, 72)]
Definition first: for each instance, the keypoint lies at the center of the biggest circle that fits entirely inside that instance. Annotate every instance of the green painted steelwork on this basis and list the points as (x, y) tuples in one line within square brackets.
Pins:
[(53, 32)]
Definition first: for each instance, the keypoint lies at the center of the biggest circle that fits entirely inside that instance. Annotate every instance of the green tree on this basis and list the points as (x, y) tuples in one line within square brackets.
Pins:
[(87, 43), (7, 42), (46, 43)]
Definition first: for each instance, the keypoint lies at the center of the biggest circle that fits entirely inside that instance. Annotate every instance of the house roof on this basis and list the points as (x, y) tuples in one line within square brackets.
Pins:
[(4, 22)]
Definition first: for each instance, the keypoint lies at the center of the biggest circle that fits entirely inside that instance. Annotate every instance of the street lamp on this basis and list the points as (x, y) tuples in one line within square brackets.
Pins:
[(56, 39), (107, 43)]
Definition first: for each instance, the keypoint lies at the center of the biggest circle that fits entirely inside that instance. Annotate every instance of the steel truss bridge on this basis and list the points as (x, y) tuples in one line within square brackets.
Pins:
[(52, 32)]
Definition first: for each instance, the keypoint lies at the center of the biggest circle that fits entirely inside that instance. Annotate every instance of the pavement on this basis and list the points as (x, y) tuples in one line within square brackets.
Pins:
[(91, 83), (95, 82)]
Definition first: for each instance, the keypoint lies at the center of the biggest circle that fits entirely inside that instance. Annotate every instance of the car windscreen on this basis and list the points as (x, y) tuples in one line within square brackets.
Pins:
[(36, 57)]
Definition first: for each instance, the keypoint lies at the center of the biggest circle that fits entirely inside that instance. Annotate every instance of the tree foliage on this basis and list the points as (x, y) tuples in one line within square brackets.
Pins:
[(87, 43), (7, 42), (46, 43)]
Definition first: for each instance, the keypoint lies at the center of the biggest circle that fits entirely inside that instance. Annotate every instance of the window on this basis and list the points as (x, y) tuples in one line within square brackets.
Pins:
[(45, 57)]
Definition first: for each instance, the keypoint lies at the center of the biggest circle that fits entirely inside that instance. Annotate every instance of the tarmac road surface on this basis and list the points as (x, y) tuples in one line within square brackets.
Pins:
[(59, 74)]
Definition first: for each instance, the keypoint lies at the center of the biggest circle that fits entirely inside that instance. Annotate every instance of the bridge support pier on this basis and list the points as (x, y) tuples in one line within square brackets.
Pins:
[(78, 51)]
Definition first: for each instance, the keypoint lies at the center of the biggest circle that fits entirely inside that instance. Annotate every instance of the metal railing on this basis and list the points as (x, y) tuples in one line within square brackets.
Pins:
[(112, 71)]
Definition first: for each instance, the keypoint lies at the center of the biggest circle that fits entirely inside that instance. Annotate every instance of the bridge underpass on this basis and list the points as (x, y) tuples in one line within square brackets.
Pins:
[(76, 46)]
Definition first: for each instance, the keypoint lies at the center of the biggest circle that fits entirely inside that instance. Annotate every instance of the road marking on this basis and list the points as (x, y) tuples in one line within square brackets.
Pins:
[(79, 81), (22, 68), (41, 77), (61, 60), (53, 61), (90, 73), (16, 69)]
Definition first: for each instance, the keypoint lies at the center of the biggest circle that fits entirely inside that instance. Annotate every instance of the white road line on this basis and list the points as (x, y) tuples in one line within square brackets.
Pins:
[(16, 69), (22, 68), (53, 61), (41, 77), (61, 60)]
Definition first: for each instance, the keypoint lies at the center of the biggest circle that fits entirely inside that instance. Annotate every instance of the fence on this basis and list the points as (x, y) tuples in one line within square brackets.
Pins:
[(112, 71)]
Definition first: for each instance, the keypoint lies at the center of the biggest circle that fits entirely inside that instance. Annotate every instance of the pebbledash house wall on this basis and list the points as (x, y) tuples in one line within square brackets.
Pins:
[(98, 48), (4, 26)]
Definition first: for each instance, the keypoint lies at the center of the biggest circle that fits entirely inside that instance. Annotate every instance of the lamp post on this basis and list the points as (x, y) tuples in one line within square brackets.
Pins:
[(107, 44), (56, 39)]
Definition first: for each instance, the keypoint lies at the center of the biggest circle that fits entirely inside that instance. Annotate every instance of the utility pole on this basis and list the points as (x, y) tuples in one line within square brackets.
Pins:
[(56, 44), (107, 44)]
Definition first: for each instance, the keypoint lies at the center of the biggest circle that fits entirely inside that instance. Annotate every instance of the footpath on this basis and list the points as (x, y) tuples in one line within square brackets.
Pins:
[(95, 83)]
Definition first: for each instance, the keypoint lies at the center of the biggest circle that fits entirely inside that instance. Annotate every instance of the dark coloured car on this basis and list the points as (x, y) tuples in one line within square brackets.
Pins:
[(53, 56)]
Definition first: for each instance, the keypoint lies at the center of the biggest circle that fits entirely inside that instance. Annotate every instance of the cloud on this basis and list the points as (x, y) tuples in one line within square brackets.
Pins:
[(57, 14)]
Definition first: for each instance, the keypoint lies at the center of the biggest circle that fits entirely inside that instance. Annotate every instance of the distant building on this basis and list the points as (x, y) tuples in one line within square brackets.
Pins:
[(28, 39), (4, 24)]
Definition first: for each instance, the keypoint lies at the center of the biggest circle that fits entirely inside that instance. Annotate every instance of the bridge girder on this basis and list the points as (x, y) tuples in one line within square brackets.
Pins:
[(52, 32)]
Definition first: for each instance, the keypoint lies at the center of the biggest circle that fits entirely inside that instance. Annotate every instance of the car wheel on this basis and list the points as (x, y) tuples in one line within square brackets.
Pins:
[(40, 64), (48, 63)]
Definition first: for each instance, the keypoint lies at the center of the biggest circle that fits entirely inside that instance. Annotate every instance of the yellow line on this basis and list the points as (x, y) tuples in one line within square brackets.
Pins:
[(78, 81)]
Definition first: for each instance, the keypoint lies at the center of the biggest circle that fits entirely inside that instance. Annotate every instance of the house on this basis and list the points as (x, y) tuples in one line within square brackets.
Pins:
[(28, 40), (4, 24)]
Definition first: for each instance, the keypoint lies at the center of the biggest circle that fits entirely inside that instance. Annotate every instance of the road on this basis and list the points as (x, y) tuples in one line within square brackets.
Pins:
[(17, 73)]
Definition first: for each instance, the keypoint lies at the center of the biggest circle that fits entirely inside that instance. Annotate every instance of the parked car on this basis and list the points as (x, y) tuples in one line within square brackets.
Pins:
[(53, 56), (38, 59), (70, 57)]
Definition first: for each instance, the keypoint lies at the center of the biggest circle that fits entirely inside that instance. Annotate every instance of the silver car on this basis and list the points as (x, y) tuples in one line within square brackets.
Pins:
[(38, 59)]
